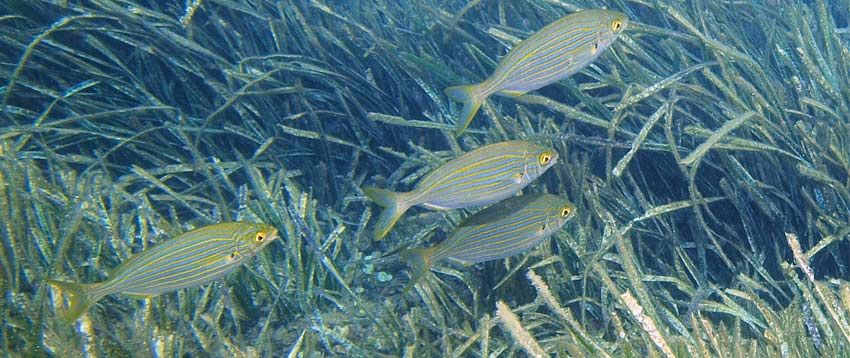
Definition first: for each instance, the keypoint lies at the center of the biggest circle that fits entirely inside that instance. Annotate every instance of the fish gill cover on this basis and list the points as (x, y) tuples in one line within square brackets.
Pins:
[(707, 152)]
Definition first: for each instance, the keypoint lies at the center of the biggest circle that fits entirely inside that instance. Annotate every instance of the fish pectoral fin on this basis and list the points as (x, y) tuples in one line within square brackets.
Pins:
[(138, 296), (510, 93), (517, 178), (234, 257)]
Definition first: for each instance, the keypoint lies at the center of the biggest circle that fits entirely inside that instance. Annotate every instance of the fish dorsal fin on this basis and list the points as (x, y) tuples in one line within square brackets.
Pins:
[(498, 211)]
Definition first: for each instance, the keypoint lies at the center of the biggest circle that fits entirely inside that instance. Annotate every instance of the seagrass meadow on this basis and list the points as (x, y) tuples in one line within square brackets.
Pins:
[(707, 152)]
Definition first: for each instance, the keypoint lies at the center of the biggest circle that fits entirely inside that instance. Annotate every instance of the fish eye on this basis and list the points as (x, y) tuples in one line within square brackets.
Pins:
[(616, 25), (544, 158), (565, 211), (259, 238)]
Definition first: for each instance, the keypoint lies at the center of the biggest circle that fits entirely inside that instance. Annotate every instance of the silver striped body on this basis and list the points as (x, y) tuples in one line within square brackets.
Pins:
[(192, 258), (480, 177), (506, 229), (483, 176), (559, 50)]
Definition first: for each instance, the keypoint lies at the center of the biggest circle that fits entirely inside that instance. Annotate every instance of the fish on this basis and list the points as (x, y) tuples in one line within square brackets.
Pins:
[(483, 176), (559, 50), (505, 229), (190, 259)]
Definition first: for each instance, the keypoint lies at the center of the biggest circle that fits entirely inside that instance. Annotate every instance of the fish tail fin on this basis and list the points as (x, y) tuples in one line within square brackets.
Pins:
[(394, 204), (420, 260), (80, 298), (471, 99)]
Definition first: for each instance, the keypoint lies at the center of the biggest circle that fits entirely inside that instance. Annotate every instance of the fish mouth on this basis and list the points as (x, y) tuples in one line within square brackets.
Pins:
[(272, 236)]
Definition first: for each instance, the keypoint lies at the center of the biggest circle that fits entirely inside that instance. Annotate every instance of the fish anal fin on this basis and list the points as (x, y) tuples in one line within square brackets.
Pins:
[(435, 207), (137, 296), (511, 93), (463, 263)]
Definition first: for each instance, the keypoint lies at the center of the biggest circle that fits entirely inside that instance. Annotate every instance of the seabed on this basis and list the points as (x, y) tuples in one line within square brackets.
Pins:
[(707, 152)]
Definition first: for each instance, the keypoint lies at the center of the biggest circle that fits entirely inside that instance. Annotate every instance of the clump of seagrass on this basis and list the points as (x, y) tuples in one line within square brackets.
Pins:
[(690, 150)]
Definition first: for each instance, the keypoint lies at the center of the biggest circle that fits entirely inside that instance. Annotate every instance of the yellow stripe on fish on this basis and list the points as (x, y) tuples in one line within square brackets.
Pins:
[(508, 228), (190, 259), (559, 50), (480, 177)]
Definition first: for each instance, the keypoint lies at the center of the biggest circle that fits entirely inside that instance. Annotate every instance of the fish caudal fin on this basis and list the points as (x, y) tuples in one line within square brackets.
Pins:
[(420, 261), (394, 206), (79, 298), (468, 95)]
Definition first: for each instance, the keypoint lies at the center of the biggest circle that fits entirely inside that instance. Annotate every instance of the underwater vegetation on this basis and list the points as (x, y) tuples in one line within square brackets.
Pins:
[(706, 152)]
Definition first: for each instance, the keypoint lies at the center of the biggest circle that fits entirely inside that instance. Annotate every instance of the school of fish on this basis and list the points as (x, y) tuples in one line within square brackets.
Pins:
[(492, 174)]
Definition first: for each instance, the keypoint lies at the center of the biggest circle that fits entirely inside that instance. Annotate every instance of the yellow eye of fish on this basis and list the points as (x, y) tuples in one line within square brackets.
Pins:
[(565, 211), (616, 25), (259, 238), (544, 158)]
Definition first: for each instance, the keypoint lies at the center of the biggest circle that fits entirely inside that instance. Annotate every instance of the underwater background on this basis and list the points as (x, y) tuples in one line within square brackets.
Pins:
[(707, 153)]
